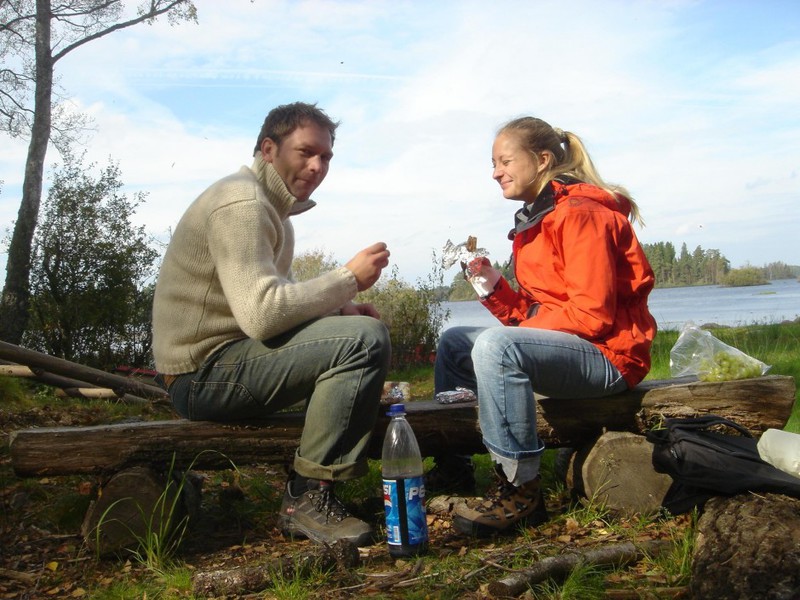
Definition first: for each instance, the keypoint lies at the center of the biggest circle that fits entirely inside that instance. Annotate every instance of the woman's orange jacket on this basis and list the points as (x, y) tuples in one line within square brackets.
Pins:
[(581, 270)]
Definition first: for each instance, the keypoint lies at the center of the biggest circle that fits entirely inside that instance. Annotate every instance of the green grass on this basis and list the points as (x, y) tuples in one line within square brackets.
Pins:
[(15, 392)]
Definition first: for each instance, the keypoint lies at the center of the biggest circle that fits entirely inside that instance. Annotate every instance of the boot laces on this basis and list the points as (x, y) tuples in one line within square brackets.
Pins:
[(325, 502)]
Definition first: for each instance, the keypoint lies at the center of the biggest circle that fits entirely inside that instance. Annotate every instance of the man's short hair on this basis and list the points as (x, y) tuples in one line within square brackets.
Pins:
[(283, 120)]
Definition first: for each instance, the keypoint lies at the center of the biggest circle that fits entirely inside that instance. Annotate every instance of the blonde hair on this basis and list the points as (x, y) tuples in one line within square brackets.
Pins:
[(569, 156)]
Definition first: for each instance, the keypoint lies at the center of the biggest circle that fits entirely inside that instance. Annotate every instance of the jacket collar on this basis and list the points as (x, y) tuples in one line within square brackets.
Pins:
[(531, 214)]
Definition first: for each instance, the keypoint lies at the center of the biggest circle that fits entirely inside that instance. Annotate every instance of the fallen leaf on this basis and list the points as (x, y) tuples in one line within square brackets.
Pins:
[(572, 525), (52, 565)]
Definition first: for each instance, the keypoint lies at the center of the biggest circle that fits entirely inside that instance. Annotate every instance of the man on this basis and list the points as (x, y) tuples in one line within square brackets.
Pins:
[(235, 338)]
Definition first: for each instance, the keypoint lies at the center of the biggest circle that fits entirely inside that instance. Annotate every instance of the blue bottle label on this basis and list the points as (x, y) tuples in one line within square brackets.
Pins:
[(404, 503)]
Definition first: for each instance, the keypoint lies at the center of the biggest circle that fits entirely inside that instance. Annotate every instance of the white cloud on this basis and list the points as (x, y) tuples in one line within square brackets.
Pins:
[(705, 139)]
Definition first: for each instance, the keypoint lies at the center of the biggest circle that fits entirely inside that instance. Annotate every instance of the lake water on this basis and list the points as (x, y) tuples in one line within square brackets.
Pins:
[(672, 307)]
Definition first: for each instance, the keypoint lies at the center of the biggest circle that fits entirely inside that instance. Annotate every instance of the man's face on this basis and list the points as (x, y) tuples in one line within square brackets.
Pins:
[(302, 159)]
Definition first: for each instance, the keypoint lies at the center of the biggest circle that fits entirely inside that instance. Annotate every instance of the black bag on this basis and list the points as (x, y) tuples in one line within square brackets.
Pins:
[(705, 463)]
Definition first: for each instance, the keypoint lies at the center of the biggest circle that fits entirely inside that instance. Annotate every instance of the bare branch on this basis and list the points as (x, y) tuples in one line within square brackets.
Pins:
[(157, 8)]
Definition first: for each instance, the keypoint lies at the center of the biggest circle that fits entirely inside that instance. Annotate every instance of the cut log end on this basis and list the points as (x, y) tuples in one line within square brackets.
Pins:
[(132, 507), (617, 471)]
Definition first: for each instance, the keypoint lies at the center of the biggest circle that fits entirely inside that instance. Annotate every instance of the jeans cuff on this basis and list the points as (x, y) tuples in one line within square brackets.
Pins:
[(515, 455), (343, 472)]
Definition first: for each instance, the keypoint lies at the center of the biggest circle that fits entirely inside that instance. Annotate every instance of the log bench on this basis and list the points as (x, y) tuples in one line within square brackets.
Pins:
[(132, 458), (758, 404)]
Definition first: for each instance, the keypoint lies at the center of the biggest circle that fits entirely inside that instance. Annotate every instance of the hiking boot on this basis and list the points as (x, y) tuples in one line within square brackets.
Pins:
[(451, 474), (319, 515), (507, 507)]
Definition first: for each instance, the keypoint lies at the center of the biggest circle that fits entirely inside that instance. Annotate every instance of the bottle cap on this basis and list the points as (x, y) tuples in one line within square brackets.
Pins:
[(396, 409)]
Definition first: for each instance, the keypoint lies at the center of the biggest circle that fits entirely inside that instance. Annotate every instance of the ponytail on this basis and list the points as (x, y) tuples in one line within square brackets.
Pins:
[(569, 157)]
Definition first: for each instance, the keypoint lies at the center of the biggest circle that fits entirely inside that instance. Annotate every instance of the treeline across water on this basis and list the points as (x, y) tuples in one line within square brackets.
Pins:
[(707, 267), (672, 269)]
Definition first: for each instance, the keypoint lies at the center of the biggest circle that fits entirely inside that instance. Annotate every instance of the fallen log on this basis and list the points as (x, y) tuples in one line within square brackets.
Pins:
[(90, 393), (18, 576), (65, 368), (106, 449), (558, 567), (13, 370), (650, 593), (757, 404), (254, 578), (748, 546), (70, 387)]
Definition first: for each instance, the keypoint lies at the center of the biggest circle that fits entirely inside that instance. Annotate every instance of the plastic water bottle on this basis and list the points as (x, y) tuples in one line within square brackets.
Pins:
[(403, 488)]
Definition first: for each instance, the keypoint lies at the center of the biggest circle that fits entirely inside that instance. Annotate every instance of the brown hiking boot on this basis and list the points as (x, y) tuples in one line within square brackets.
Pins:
[(502, 511), (319, 515)]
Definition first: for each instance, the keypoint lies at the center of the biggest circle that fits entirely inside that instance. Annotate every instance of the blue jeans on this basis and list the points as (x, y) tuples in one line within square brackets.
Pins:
[(505, 366), (337, 364)]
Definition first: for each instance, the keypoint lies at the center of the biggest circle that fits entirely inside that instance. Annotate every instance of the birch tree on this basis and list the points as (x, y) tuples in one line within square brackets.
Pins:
[(34, 36)]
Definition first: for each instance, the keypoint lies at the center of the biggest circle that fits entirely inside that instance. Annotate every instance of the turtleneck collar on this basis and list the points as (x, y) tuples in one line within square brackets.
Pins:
[(279, 194)]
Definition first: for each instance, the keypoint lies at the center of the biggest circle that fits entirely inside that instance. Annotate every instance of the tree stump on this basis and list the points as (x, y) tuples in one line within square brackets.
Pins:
[(617, 471), (748, 546), (133, 506)]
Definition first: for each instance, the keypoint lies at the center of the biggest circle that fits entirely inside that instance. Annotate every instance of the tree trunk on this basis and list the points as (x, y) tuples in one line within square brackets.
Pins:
[(757, 404), (617, 471), (439, 428), (748, 546), (16, 291)]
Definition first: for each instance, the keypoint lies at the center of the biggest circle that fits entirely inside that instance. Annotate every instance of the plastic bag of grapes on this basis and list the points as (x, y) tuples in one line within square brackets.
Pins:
[(698, 353)]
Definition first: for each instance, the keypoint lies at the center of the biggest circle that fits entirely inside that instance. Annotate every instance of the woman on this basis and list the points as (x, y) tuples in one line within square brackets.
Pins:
[(579, 325)]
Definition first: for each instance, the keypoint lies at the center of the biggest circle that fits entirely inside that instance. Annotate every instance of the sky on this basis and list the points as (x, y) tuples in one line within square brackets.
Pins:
[(692, 105)]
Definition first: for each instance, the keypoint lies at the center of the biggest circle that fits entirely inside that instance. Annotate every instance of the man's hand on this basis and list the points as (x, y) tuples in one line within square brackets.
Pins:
[(368, 264), (353, 309), (482, 275)]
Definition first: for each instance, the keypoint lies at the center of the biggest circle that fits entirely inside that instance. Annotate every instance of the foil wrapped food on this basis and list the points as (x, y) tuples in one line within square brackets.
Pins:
[(461, 253), (460, 394)]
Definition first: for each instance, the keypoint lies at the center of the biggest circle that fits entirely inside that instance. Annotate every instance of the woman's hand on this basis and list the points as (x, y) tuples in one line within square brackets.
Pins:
[(482, 275)]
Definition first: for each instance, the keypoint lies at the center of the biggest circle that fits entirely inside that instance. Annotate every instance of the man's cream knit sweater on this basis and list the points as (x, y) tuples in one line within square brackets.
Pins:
[(226, 274)]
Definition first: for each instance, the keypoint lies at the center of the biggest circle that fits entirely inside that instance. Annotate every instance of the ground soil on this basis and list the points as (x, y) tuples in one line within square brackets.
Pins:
[(42, 554)]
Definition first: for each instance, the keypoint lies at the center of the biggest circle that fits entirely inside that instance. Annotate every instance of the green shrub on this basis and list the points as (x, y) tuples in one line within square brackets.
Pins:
[(744, 276), (413, 315)]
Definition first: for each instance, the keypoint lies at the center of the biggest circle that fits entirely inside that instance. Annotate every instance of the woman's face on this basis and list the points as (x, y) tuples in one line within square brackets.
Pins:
[(516, 169)]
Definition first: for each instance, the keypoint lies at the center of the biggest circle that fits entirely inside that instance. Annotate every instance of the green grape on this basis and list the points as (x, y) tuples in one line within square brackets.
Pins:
[(726, 367)]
